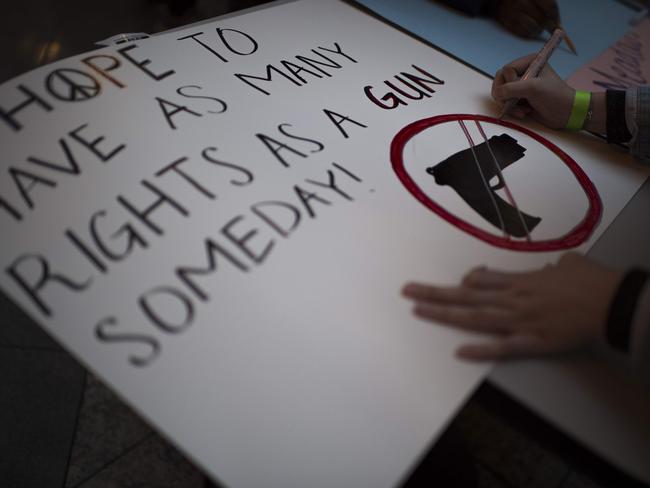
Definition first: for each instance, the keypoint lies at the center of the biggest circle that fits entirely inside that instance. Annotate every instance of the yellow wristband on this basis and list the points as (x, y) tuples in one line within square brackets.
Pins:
[(579, 110)]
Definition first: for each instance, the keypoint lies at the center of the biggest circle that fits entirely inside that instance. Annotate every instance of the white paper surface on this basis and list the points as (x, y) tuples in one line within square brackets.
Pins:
[(295, 362)]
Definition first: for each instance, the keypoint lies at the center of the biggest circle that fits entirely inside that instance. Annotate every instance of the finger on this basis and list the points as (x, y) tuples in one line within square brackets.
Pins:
[(537, 12), (520, 65), (531, 27), (508, 347), (504, 75), (510, 74), (519, 112), (457, 295), (516, 89), (484, 319), (483, 278), (498, 81), (550, 10), (548, 71), (571, 258), (521, 23)]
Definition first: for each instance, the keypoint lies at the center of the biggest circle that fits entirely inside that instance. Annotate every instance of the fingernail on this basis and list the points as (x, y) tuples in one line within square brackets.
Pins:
[(467, 354), (472, 353)]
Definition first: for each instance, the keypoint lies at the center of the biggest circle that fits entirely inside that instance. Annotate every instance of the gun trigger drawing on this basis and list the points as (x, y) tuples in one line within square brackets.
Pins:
[(461, 172)]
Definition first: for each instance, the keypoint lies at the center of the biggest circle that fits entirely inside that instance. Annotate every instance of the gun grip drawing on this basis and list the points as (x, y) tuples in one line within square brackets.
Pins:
[(470, 171)]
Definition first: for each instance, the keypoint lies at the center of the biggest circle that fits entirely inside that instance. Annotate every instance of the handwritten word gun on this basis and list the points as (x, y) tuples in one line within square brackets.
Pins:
[(461, 172)]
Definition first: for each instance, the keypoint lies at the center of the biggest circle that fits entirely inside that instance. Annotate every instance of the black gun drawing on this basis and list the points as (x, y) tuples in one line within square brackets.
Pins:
[(460, 171)]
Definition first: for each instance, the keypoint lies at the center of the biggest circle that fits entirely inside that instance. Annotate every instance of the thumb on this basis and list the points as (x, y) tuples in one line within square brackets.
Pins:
[(516, 89)]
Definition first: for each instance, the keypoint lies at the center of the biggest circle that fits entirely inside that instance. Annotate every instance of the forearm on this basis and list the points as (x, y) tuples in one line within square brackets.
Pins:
[(596, 119)]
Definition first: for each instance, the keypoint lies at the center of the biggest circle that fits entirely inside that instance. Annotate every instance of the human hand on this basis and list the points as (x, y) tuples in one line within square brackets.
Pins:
[(554, 309), (546, 98), (526, 18)]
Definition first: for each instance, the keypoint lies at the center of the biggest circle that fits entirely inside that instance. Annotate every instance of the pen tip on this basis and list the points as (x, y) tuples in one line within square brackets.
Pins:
[(570, 44)]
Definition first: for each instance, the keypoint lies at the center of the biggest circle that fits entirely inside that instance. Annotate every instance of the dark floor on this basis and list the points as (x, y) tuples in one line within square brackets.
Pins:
[(61, 427)]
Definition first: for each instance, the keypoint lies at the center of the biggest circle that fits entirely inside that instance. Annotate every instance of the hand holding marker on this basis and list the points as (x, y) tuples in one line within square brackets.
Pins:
[(537, 65)]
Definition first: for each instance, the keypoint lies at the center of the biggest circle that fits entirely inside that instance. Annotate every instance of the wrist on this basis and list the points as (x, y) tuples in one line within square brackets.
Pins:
[(580, 107), (596, 121)]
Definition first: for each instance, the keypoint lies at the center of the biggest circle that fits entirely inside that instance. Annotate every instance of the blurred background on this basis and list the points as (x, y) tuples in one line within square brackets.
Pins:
[(36, 32)]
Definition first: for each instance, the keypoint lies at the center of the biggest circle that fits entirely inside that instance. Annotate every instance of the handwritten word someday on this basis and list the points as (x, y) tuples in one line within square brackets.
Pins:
[(244, 242)]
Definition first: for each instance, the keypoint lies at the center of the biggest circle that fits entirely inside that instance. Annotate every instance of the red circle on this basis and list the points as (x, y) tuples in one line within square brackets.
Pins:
[(579, 234)]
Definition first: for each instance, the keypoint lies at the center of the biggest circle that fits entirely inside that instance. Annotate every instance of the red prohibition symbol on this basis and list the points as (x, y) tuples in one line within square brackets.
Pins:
[(576, 236)]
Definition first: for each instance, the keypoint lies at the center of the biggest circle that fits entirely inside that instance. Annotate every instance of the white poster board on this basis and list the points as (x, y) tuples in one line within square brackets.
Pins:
[(211, 221)]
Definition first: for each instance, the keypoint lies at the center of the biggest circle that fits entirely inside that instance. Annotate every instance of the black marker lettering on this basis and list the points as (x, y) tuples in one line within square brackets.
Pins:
[(103, 334), (34, 287), (248, 176), (133, 238), (150, 301), (145, 215), (142, 64), (92, 145), (201, 43), (241, 241), (8, 114), (169, 113), (305, 197), (175, 168), (338, 120), (337, 50), (5, 205), (222, 105), (185, 273), (276, 147), (103, 71), (319, 146), (268, 78), (331, 185), (86, 251), (262, 210), (229, 44), (72, 85), (26, 181)]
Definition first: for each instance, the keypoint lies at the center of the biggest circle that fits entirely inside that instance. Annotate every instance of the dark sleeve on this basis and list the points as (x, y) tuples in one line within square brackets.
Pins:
[(623, 307), (617, 130), (640, 334), (471, 7)]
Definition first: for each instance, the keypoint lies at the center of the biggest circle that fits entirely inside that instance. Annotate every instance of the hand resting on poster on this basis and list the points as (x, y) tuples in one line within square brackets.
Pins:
[(554, 309), (577, 301)]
